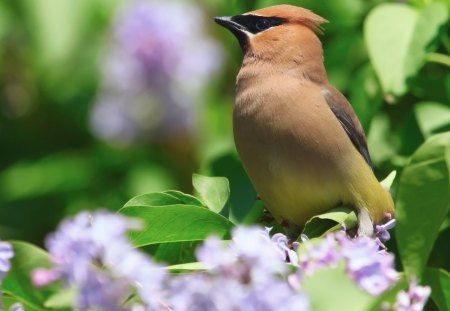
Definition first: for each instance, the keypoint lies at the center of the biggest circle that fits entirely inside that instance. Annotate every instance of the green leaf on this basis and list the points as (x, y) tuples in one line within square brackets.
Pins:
[(55, 43), (389, 180), (147, 177), (5, 21), (154, 199), (333, 220), (17, 283), (24, 180), (213, 191), (63, 299), (398, 38), (432, 117), (328, 288), (439, 281), (422, 202), (185, 198), (365, 94), (173, 253), (176, 223), (383, 144), (226, 163)]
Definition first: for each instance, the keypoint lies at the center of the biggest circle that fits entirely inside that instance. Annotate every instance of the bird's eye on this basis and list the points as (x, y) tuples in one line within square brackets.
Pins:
[(263, 24)]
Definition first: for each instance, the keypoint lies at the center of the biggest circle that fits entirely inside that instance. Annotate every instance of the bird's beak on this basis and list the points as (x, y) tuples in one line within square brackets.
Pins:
[(239, 31), (227, 22)]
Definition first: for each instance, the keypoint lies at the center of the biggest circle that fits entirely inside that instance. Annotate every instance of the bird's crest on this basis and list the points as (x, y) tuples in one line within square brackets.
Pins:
[(293, 15)]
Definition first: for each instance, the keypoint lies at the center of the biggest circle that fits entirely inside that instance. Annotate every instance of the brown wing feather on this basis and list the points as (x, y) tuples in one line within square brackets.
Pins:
[(348, 119)]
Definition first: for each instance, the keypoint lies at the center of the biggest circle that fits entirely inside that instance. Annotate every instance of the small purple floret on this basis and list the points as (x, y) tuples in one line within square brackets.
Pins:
[(92, 254), (414, 299), (381, 231)]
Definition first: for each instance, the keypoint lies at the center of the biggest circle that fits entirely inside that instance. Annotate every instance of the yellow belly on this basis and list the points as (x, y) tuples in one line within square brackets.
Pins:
[(293, 190)]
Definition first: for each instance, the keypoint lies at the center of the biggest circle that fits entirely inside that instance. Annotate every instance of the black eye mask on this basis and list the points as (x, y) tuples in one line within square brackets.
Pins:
[(255, 24)]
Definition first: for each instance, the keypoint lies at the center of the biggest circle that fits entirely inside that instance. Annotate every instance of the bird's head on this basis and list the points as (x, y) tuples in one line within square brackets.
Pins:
[(275, 31)]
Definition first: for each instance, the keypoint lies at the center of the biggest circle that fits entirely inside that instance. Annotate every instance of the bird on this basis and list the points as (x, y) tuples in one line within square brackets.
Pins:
[(298, 137)]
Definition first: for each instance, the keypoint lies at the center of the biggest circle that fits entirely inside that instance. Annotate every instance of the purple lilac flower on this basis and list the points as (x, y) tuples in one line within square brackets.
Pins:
[(16, 307), (290, 251), (251, 255), (371, 268), (239, 273), (254, 248), (6, 253), (275, 295), (214, 254), (102, 292), (82, 243), (366, 263), (239, 277), (206, 292), (42, 277), (318, 255), (381, 231), (154, 71), (414, 299)]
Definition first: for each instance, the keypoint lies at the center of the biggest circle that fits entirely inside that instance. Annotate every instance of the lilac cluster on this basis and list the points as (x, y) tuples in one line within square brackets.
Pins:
[(382, 231), (371, 267), (92, 254), (155, 71), (253, 271), (239, 276), (6, 253), (414, 299)]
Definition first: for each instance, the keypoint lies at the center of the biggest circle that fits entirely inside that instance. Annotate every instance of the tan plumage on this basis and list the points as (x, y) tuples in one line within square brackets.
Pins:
[(298, 137)]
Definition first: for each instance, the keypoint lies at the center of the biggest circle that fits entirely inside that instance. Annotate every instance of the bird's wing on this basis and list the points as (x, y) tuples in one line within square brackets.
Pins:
[(347, 117)]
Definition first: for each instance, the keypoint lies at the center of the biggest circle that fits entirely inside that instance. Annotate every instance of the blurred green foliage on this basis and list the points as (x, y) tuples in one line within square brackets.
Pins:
[(391, 59)]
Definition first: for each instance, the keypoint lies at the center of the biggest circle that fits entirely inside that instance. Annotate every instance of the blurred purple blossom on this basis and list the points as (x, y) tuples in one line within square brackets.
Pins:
[(16, 307), (366, 262), (92, 254), (247, 274), (255, 249), (214, 255), (205, 292), (414, 299), (153, 74), (100, 291), (42, 277), (288, 248), (381, 231), (6, 253), (319, 254), (250, 257)]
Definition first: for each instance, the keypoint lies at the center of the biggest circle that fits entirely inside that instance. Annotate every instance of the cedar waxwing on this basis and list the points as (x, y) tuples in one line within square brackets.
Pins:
[(298, 137)]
